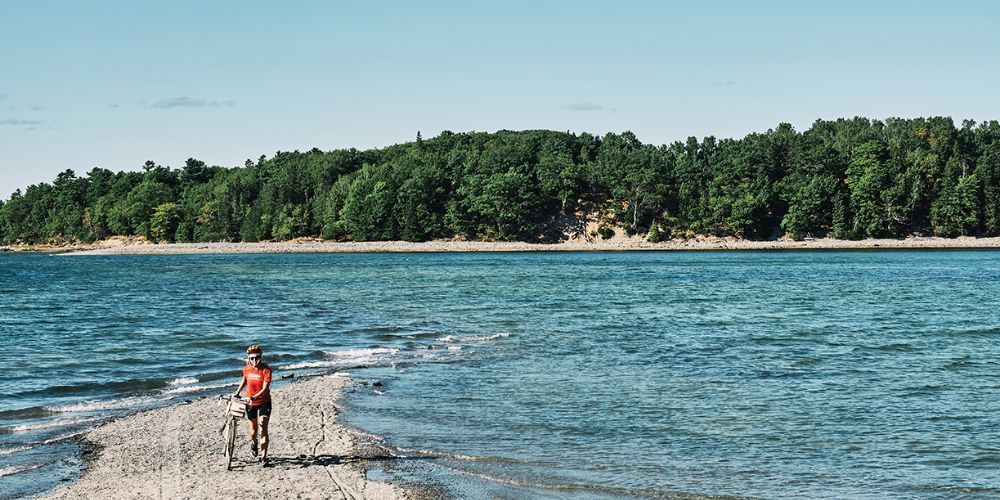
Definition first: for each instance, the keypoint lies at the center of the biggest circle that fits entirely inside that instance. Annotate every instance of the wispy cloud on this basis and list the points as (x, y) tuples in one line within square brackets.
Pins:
[(191, 102), (18, 121), (113, 105), (724, 83), (588, 106), (3, 97), (36, 107)]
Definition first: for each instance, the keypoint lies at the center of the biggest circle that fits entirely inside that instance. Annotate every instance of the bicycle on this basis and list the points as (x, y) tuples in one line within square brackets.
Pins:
[(236, 409)]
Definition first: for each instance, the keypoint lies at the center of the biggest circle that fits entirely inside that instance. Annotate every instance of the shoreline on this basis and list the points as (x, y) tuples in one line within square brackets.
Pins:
[(126, 247), (176, 452)]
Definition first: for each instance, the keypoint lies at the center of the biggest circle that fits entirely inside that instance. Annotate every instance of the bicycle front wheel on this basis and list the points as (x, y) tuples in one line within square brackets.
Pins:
[(230, 442)]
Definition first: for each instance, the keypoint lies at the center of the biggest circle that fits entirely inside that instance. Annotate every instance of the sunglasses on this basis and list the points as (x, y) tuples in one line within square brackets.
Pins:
[(253, 358)]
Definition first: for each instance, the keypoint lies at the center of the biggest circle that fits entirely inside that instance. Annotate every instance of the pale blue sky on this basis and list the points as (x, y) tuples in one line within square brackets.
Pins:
[(116, 83)]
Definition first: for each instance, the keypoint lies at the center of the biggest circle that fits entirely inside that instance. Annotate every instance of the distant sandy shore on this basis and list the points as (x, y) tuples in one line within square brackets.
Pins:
[(176, 452), (618, 244)]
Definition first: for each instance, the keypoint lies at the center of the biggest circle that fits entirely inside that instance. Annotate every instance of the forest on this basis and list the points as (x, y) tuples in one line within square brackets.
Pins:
[(847, 178)]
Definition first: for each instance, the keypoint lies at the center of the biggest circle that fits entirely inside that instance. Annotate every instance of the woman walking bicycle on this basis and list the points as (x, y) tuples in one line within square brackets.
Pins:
[(257, 380)]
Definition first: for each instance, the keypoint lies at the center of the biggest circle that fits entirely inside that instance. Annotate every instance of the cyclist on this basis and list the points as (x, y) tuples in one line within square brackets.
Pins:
[(257, 379)]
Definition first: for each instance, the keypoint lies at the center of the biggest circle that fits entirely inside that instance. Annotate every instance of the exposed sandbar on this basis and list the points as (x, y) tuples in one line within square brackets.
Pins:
[(176, 452)]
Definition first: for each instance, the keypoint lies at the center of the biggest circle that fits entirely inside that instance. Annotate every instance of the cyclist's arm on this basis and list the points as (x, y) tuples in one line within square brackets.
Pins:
[(263, 389), (243, 382)]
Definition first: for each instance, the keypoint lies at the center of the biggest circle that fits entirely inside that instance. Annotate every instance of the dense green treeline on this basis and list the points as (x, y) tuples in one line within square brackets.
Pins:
[(849, 178)]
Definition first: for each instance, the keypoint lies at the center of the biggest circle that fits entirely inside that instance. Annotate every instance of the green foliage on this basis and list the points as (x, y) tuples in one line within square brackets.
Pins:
[(502, 205), (811, 207), (988, 172), (368, 209), (333, 226), (877, 192), (419, 204), (163, 224), (655, 234), (847, 178), (292, 222), (956, 211), (209, 224), (559, 178), (140, 204)]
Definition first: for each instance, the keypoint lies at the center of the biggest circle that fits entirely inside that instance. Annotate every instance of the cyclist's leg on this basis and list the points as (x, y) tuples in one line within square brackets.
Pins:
[(253, 429), (264, 419), (252, 417)]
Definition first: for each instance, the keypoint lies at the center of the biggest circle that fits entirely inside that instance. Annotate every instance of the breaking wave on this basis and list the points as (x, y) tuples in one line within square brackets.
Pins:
[(478, 338)]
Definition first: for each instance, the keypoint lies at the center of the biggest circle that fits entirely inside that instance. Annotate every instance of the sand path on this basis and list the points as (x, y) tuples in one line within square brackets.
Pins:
[(176, 452)]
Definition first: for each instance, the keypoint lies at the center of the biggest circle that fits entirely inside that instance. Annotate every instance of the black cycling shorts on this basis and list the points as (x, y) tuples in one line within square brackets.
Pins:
[(254, 411)]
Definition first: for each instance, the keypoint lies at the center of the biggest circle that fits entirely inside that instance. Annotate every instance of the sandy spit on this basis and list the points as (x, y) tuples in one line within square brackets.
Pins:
[(176, 452), (622, 244)]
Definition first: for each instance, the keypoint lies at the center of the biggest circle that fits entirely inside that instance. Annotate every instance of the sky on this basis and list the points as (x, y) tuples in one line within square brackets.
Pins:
[(115, 83)]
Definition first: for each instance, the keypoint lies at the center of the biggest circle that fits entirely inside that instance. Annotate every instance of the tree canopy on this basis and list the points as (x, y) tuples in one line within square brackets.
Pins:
[(848, 178)]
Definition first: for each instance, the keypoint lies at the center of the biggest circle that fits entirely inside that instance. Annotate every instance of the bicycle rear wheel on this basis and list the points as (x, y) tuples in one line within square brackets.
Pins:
[(230, 442)]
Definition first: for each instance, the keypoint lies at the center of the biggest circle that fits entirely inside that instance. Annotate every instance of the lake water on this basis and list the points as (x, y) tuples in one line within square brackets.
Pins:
[(773, 374)]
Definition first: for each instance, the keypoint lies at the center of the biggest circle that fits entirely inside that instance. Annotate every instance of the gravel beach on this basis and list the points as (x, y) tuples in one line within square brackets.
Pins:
[(176, 452), (614, 244)]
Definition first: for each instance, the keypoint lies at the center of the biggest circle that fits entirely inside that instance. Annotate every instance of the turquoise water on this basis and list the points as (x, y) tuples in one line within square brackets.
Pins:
[(773, 374)]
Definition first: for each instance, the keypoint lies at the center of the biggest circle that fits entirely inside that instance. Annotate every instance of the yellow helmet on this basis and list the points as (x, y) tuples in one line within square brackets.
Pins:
[(255, 349)]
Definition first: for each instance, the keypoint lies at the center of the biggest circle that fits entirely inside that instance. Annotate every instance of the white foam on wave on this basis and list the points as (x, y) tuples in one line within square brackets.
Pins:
[(96, 404), (311, 364), (455, 348), (477, 338), (59, 422), (435, 453), (64, 437), (10, 470), (184, 381), (346, 357), (369, 436), (195, 388), (8, 451), (363, 353)]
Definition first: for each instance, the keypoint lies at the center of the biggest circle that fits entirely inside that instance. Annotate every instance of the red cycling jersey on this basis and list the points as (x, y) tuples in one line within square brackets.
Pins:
[(255, 381)]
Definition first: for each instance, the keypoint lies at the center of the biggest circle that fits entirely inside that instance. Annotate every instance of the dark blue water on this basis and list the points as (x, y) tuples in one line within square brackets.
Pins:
[(774, 374)]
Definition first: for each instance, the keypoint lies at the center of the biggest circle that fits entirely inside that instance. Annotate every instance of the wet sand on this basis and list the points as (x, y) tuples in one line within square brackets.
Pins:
[(176, 452), (616, 244)]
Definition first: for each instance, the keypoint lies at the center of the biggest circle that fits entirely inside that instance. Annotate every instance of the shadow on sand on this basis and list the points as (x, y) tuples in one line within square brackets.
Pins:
[(301, 461)]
